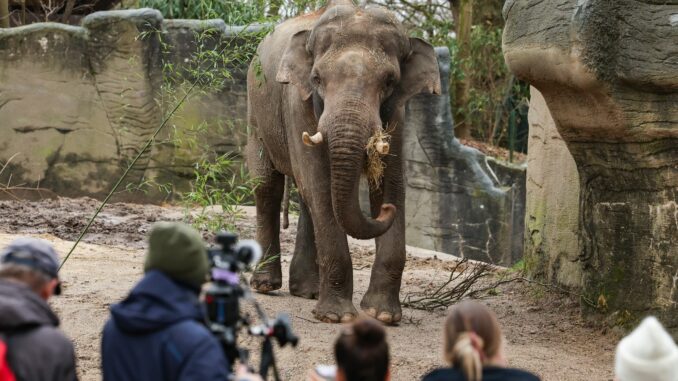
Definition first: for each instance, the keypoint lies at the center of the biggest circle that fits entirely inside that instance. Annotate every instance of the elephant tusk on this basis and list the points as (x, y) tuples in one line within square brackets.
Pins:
[(312, 140), (382, 147)]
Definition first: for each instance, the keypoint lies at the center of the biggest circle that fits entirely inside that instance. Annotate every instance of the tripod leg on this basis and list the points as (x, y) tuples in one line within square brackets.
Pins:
[(267, 359)]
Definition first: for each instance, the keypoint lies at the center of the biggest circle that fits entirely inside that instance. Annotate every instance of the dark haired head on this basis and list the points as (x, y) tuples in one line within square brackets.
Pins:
[(361, 352)]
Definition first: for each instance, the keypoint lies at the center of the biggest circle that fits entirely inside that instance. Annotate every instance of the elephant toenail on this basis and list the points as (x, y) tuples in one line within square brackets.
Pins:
[(371, 312), (385, 317), (347, 318)]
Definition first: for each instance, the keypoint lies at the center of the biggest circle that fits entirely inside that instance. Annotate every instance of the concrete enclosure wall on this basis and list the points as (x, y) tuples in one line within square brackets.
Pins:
[(552, 205), (78, 103)]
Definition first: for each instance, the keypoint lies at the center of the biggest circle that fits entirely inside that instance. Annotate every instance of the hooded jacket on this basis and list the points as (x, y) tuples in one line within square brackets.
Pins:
[(156, 334), (38, 351)]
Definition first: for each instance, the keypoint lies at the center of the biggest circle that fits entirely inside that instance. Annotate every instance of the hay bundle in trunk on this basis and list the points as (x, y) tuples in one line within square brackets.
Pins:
[(377, 146)]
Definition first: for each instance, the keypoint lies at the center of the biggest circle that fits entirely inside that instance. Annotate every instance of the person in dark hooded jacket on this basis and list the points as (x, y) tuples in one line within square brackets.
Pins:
[(157, 332), (36, 348)]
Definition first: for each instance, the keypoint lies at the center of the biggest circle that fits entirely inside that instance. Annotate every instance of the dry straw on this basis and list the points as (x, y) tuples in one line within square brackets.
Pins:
[(375, 164)]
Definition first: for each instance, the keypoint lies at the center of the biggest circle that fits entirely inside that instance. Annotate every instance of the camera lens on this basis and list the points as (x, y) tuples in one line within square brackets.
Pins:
[(248, 252), (226, 239)]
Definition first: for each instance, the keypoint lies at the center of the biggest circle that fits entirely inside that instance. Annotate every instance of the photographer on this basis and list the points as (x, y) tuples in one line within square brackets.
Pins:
[(36, 349), (157, 332)]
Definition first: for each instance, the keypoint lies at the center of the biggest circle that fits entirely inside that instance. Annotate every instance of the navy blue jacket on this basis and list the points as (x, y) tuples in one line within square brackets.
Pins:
[(490, 373), (156, 334)]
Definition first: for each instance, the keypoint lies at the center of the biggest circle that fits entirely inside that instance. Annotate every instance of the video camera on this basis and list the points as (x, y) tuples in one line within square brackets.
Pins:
[(228, 258)]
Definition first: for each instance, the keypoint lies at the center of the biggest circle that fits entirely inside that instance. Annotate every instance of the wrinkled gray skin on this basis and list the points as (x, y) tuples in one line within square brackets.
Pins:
[(346, 72)]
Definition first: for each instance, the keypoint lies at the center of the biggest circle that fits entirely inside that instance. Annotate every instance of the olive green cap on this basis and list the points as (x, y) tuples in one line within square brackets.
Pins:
[(177, 250)]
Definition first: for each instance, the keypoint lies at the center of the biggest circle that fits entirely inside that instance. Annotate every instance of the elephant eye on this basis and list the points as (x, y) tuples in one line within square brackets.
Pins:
[(315, 79)]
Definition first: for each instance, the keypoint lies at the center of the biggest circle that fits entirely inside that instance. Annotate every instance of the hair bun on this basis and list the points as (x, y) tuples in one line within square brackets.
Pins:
[(369, 332)]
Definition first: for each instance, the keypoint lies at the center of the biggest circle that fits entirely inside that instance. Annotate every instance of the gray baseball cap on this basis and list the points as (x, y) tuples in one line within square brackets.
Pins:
[(35, 253)]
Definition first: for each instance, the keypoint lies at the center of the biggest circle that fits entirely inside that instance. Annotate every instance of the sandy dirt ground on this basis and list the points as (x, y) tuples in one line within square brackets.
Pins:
[(544, 331)]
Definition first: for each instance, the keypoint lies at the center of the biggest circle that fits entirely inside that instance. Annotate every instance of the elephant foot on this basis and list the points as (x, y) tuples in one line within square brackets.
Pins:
[(381, 307), (308, 288), (304, 277), (335, 310), (266, 280)]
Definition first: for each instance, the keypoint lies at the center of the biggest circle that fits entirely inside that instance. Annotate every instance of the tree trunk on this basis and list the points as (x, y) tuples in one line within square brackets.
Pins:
[(4, 13), (67, 13), (461, 87)]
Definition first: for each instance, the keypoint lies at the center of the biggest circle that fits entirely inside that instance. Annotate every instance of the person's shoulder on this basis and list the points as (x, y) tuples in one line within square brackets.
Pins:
[(508, 374), (47, 343), (51, 337), (444, 374)]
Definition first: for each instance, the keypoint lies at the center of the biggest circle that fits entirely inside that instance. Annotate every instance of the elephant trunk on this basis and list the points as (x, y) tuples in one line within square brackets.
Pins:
[(349, 130)]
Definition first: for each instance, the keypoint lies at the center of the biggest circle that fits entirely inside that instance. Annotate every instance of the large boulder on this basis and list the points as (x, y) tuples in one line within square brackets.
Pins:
[(608, 71)]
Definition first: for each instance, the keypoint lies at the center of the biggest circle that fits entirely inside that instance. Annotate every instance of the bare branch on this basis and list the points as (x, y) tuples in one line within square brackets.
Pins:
[(463, 282)]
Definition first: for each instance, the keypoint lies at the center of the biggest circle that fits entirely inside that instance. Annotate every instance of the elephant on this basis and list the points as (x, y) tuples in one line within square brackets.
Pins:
[(320, 86)]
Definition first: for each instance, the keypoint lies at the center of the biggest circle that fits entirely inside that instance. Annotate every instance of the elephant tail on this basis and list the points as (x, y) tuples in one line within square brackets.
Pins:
[(286, 203)]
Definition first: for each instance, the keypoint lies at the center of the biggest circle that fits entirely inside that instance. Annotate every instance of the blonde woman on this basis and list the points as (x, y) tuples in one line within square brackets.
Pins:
[(474, 348)]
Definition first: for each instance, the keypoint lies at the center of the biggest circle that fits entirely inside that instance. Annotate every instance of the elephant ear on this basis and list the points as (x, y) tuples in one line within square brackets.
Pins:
[(296, 64), (419, 71)]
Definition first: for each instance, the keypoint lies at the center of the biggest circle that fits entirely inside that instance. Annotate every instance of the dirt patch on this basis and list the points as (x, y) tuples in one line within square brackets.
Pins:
[(544, 331)]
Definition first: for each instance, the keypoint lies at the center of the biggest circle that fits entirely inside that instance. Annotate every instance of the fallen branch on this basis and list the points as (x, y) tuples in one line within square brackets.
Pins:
[(464, 281), (461, 283), (306, 320)]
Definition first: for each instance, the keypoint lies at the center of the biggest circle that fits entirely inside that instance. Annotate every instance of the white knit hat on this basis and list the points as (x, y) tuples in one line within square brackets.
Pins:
[(647, 354)]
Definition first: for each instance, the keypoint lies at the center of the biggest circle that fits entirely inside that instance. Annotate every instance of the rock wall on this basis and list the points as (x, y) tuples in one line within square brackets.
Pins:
[(77, 104), (458, 200), (608, 71)]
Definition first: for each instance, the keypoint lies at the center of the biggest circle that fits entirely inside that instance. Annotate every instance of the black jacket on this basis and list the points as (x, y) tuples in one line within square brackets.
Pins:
[(490, 373), (157, 334), (38, 351)]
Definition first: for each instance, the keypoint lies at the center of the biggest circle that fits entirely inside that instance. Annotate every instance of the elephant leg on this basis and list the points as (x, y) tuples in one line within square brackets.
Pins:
[(304, 272), (268, 196), (335, 291), (382, 299)]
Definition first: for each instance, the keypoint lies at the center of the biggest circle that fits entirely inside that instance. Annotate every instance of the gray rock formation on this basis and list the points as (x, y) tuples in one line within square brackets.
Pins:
[(458, 200), (78, 103), (608, 71)]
